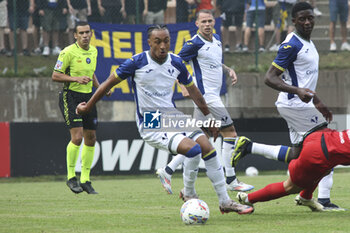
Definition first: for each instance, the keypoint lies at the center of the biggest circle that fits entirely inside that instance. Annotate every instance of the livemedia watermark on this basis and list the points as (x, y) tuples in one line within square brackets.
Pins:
[(175, 122)]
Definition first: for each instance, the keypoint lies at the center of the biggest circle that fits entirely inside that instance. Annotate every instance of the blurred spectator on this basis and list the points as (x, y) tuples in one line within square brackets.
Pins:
[(154, 12), (129, 13), (62, 29), (282, 15), (23, 9), (317, 12), (110, 11), (232, 12), (250, 19), (52, 14), (3, 24), (205, 4), (95, 14), (78, 11), (183, 10), (36, 30), (341, 8), (192, 10), (313, 3)]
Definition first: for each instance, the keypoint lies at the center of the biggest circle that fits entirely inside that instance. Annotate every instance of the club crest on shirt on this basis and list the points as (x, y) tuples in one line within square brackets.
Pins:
[(171, 71), (314, 119), (88, 60)]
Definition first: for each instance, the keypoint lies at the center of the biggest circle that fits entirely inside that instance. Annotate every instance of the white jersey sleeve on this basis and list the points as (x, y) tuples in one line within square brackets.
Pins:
[(298, 59)]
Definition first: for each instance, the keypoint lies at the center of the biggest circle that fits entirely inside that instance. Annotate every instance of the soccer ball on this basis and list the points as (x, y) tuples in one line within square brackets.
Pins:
[(251, 171), (194, 211)]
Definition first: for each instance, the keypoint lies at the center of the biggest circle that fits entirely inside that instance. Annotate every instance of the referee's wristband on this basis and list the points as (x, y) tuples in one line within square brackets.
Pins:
[(210, 116)]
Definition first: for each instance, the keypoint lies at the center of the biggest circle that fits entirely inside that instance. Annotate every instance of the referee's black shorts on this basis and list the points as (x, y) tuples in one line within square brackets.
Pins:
[(68, 101)]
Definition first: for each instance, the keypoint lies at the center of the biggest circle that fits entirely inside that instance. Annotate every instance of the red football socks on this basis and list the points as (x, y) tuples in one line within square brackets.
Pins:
[(270, 192)]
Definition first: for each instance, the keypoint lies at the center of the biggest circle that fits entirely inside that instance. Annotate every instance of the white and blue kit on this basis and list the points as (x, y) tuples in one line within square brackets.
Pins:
[(153, 87), (205, 58), (298, 59)]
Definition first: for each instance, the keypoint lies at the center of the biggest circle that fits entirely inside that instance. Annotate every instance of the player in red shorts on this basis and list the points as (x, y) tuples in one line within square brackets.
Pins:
[(322, 150)]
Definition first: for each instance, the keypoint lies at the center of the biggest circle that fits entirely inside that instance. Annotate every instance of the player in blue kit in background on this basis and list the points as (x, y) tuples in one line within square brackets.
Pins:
[(154, 74), (294, 73), (204, 53)]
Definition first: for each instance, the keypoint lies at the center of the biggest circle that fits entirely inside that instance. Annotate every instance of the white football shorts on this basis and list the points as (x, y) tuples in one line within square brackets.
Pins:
[(168, 141), (218, 109), (301, 120)]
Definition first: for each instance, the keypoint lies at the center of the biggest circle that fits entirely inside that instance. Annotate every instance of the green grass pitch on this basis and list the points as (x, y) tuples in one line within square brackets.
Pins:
[(139, 204)]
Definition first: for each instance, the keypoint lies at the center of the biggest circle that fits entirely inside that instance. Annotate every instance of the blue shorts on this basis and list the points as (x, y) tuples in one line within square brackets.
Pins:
[(251, 18), (340, 7)]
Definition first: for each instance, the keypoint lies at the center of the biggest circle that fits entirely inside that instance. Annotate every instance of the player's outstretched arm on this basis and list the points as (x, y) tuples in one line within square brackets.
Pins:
[(95, 81), (198, 99), (273, 80), (96, 84), (60, 77), (183, 90), (111, 81)]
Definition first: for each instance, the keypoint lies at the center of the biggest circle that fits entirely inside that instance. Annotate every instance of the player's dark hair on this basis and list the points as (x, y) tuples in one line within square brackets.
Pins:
[(80, 23), (150, 29), (205, 11), (300, 6)]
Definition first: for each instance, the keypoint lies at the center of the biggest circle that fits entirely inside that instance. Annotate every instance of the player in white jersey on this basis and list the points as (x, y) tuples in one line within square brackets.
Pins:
[(298, 59), (153, 75), (294, 72), (204, 53)]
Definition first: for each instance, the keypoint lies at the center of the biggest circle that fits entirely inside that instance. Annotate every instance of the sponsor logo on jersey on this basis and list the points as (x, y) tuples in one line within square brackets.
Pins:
[(157, 93), (287, 46), (341, 137), (309, 72), (148, 71), (58, 65)]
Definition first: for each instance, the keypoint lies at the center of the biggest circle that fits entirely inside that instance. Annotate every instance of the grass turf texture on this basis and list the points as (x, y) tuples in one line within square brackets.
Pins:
[(139, 204), (242, 62)]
